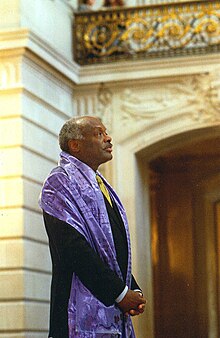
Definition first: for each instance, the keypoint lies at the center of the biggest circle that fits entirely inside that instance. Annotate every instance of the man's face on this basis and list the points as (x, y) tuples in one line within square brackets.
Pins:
[(95, 148)]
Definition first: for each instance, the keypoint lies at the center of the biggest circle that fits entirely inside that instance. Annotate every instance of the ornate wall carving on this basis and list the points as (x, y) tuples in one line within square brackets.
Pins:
[(10, 74), (97, 101), (105, 105), (172, 29), (191, 99), (195, 97)]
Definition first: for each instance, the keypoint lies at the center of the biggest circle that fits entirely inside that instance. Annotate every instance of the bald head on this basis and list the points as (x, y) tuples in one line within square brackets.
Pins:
[(75, 129), (86, 138)]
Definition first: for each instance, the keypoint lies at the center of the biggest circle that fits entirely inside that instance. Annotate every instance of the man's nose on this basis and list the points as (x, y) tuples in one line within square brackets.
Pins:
[(108, 138)]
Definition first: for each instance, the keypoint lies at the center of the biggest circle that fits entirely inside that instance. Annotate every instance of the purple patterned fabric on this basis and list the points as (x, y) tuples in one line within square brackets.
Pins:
[(71, 194)]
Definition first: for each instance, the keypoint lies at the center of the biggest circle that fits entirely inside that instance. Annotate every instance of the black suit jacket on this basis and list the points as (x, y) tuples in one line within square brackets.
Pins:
[(71, 253)]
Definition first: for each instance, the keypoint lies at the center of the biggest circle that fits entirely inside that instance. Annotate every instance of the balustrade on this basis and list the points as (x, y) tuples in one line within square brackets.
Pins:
[(152, 31)]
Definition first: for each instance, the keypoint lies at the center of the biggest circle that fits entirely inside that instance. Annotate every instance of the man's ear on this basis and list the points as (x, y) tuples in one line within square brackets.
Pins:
[(73, 146)]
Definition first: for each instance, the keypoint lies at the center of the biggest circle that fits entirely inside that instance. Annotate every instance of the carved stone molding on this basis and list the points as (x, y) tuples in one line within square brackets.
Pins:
[(105, 105), (10, 74), (96, 101), (202, 97), (195, 97)]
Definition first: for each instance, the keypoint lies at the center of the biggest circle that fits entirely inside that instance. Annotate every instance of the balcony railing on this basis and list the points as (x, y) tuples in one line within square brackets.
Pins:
[(174, 29)]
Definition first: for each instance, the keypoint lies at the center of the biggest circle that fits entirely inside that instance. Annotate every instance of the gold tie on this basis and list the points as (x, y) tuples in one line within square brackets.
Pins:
[(103, 189)]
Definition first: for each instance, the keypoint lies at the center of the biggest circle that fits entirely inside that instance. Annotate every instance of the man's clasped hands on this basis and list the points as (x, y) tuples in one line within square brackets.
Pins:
[(133, 303)]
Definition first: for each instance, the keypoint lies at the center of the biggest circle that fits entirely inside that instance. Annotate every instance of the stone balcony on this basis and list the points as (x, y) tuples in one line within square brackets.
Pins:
[(153, 31)]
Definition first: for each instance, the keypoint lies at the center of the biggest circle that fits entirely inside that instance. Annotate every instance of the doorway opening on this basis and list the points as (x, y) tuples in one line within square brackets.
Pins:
[(185, 230)]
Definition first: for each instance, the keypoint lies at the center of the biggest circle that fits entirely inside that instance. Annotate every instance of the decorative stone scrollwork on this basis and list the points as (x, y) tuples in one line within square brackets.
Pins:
[(135, 107), (207, 99), (96, 103), (104, 106), (196, 97), (9, 75)]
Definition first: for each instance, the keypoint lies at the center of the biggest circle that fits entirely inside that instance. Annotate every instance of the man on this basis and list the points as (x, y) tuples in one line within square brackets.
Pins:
[(93, 292)]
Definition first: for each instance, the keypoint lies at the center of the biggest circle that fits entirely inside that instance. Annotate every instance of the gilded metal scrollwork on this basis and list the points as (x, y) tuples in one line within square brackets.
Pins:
[(169, 30)]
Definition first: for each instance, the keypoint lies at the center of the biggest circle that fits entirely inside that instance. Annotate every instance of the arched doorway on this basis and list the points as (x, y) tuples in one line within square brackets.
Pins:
[(185, 226)]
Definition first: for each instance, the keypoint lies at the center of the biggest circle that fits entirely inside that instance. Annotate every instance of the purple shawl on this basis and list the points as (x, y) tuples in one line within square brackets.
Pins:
[(71, 194)]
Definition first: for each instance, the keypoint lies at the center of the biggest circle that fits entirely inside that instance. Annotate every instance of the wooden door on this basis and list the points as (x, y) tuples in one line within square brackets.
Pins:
[(186, 251)]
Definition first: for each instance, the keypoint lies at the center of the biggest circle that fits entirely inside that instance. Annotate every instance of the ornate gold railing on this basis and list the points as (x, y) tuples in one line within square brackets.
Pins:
[(167, 30)]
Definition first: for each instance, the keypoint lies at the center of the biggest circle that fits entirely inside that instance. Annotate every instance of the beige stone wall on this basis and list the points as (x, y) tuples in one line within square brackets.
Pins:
[(34, 101)]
